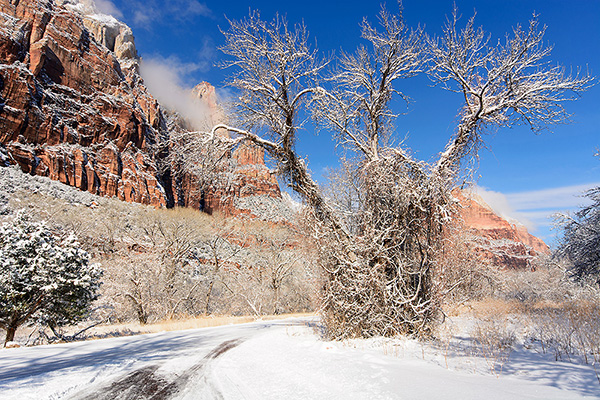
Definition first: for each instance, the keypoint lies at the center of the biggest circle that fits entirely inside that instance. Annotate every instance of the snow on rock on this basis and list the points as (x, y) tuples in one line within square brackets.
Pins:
[(70, 110), (12, 180), (107, 30), (73, 107)]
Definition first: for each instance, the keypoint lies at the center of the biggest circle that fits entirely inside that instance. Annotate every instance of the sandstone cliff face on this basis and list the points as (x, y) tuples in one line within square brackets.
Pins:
[(73, 107), (250, 189), (504, 244), (245, 185)]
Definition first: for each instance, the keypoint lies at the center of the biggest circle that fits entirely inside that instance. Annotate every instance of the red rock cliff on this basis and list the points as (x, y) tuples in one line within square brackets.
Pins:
[(245, 186), (73, 106), (502, 243)]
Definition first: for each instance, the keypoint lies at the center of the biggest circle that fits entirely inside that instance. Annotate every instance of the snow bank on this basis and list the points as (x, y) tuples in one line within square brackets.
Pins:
[(295, 364)]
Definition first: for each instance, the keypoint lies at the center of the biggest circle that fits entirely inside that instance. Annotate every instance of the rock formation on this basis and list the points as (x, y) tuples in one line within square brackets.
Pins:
[(242, 186), (251, 189), (73, 107), (504, 244)]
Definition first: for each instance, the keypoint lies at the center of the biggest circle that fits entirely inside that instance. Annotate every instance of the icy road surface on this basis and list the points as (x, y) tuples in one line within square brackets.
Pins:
[(272, 360)]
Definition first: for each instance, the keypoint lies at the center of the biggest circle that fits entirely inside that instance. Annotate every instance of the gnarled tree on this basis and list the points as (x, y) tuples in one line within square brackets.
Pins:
[(379, 249)]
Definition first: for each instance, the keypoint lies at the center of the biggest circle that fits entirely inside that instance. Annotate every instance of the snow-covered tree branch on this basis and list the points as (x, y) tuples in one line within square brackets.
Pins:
[(357, 107), (503, 84), (580, 243)]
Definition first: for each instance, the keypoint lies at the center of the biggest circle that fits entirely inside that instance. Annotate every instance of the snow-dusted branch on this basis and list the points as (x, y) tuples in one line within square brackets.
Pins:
[(503, 84), (382, 225), (357, 108), (277, 71), (580, 242)]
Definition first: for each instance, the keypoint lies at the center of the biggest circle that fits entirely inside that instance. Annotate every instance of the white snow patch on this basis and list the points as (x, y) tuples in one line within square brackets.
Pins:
[(298, 365)]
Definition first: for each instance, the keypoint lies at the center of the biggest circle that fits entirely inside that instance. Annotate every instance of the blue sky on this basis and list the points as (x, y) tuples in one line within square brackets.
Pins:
[(523, 175)]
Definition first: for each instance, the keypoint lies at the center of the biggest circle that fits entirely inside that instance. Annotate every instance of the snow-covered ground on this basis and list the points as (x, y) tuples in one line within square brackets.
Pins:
[(279, 360)]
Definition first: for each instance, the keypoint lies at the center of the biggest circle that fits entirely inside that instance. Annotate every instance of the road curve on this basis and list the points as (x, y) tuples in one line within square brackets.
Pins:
[(152, 366)]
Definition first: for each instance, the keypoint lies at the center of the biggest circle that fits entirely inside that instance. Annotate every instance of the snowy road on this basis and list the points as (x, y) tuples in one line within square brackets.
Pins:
[(275, 360), (152, 366)]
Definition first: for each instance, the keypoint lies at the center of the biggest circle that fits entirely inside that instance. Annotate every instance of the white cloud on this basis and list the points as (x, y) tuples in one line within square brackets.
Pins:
[(225, 94), (167, 11), (107, 7), (197, 8), (143, 17), (165, 79), (565, 197), (93, 7), (501, 205), (535, 208)]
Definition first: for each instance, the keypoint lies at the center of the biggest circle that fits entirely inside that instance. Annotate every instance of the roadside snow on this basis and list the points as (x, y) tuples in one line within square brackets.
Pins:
[(282, 360), (298, 365)]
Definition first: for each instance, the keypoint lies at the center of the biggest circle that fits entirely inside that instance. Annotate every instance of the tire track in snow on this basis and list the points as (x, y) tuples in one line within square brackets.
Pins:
[(146, 384)]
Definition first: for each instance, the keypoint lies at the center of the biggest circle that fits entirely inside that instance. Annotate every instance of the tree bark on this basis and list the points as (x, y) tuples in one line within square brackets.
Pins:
[(212, 281), (10, 334)]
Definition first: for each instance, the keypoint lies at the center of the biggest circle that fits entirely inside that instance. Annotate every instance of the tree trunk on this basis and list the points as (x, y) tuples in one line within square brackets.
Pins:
[(212, 281), (139, 309), (208, 294), (141, 314), (10, 334)]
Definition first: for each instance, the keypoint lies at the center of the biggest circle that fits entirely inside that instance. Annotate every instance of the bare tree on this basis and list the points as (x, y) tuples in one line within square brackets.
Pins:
[(195, 160), (357, 108), (276, 72), (580, 243), (221, 251), (380, 262), (398, 220), (276, 266)]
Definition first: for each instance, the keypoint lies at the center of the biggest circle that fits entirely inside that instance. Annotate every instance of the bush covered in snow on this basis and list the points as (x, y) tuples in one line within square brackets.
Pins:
[(41, 277)]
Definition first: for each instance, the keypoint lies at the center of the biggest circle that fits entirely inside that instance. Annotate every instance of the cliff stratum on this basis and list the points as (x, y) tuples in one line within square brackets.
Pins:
[(495, 239), (73, 107)]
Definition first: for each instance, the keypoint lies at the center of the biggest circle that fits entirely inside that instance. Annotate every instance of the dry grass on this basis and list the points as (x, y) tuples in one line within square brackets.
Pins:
[(210, 321), (493, 339), (184, 324), (569, 329), (168, 325), (487, 307), (30, 336)]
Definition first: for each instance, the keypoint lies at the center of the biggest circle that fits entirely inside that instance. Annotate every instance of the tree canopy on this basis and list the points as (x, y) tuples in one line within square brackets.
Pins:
[(42, 277)]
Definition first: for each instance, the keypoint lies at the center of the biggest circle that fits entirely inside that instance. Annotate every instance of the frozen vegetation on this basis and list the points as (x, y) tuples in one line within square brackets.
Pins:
[(416, 314)]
